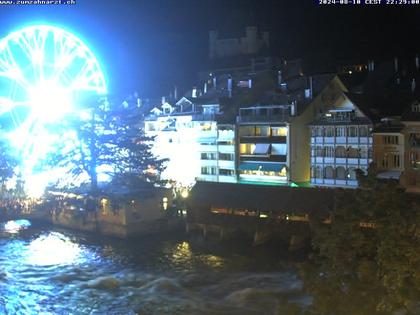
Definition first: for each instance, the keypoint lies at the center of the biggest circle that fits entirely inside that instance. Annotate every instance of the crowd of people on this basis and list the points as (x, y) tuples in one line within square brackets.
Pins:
[(16, 206)]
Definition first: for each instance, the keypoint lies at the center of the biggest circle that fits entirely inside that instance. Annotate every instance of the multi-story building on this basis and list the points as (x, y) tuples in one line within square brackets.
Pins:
[(388, 148), (263, 134), (410, 178), (341, 143), (218, 156), (188, 135), (175, 131)]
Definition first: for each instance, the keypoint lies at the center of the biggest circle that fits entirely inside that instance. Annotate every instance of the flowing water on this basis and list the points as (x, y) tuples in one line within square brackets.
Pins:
[(45, 270)]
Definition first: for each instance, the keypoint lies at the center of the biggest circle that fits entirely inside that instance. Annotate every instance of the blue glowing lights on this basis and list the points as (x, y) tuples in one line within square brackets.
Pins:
[(45, 72)]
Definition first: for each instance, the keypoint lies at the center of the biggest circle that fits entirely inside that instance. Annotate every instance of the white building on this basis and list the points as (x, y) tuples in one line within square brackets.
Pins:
[(341, 143), (218, 156), (187, 134)]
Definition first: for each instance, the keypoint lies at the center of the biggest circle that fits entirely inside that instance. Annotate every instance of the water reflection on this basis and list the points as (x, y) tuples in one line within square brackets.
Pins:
[(14, 226), (53, 249), (58, 272)]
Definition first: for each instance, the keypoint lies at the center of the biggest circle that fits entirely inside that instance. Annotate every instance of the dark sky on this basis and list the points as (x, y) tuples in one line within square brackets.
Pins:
[(148, 46)]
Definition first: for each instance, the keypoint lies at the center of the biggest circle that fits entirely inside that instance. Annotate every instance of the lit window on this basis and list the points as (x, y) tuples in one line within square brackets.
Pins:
[(279, 131)]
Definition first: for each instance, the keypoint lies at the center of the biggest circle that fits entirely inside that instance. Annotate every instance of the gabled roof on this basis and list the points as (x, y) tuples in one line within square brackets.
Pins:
[(156, 111), (366, 105), (184, 100)]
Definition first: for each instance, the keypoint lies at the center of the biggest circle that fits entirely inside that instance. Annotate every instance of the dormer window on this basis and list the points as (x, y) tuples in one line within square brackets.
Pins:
[(415, 107), (167, 109)]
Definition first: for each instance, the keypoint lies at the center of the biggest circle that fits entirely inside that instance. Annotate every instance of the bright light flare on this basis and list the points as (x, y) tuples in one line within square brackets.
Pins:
[(53, 249), (50, 101), (45, 72), (14, 227)]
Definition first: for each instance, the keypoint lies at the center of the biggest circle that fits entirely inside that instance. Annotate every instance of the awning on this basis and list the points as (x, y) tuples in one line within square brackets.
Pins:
[(261, 166), (279, 149), (262, 148)]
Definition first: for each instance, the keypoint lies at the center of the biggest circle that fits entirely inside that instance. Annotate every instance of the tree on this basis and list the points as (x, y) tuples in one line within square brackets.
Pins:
[(105, 139), (368, 270), (7, 162)]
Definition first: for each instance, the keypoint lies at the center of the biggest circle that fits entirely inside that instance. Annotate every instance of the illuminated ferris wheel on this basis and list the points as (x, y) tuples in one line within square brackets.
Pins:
[(45, 73)]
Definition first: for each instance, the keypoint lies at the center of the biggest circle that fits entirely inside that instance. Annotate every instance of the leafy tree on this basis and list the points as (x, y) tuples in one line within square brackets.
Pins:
[(105, 139), (365, 270), (7, 162)]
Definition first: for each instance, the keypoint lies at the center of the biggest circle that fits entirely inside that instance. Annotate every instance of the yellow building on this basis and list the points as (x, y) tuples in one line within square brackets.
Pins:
[(410, 178), (389, 144), (263, 144), (330, 139)]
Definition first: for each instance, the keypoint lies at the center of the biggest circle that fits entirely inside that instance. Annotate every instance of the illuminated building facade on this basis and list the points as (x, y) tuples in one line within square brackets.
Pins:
[(218, 156), (188, 135), (341, 143), (388, 140), (410, 178), (263, 143)]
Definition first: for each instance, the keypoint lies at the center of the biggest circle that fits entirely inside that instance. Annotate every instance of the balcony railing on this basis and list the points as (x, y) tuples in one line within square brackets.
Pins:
[(341, 160), (203, 117), (263, 158), (263, 139), (263, 118), (196, 116), (342, 140)]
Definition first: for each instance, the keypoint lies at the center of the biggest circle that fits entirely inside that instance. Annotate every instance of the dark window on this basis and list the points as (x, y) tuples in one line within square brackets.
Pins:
[(226, 156), (226, 172)]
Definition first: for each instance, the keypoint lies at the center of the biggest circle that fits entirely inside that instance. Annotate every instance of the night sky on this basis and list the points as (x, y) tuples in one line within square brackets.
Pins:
[(149, 46)]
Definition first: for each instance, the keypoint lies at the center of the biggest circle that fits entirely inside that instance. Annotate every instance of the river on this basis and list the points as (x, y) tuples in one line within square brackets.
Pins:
[(47, 270)]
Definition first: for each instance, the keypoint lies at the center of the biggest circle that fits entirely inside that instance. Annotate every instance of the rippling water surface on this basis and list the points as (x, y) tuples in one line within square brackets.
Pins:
[(44, 270)]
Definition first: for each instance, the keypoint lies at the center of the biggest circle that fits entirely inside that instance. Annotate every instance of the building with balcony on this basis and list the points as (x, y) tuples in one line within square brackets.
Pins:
[(410, 177), (273, 137), (341, 143), (218, 156), (262, 143), (188, 135), (388, 148)]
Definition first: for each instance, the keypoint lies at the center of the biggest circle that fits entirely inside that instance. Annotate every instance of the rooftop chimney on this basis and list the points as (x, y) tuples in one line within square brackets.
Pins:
[(279, 78), (293, 109), (371, 66), (229, 86), (311, 87)]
